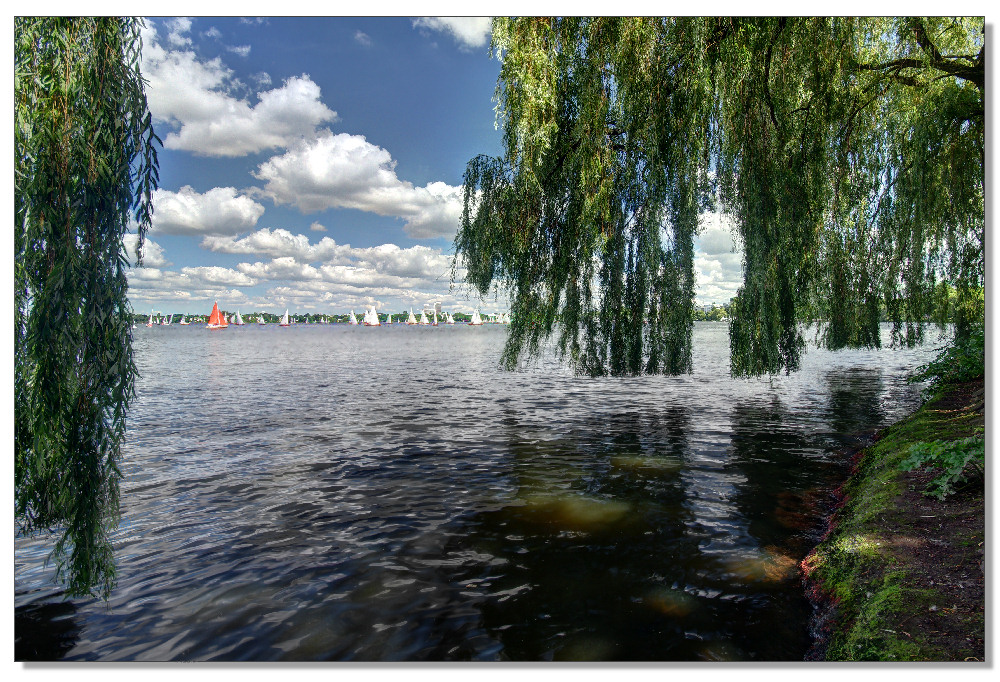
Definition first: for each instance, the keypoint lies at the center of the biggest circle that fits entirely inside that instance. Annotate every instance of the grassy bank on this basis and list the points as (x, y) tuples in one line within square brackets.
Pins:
[(899, 576)]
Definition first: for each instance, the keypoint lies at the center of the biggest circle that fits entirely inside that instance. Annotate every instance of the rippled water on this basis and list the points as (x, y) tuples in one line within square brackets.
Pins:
[(350, 493)]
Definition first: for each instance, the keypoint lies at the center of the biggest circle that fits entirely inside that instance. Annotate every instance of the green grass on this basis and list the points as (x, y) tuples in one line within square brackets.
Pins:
[(855, 567)]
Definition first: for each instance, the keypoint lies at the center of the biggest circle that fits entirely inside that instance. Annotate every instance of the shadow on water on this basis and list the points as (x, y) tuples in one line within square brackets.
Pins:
[(587, 554), (856, 408), (786, 470), (44, 631)]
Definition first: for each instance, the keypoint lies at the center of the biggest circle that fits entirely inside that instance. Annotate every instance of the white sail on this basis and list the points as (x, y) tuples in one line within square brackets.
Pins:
[(450, 319), (388, 319), (423, 318), (371, 317), (284, 319), (239, 318), (476, 319), (352, 319), (411, 319)]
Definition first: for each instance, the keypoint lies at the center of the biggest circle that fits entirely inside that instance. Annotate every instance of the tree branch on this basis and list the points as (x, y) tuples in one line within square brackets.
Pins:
[(974, 73), (767, 72)]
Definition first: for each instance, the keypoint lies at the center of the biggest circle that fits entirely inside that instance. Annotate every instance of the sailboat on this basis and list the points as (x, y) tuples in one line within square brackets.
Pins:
[(450, 320), (388, 319), (476, 319), (352, 319), (183, 321), (411, 319), (423, 318), (166, 320), (239, 319), (216, 320), (371, 317), (284, 319), (150, 322), (260, 319)]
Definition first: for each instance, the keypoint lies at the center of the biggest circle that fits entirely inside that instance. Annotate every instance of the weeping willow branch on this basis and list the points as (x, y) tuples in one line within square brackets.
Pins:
[(85, 166), (619, 130)]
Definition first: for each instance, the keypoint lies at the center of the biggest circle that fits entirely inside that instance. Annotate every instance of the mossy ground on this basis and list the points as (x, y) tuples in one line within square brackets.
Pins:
[(900, 576)]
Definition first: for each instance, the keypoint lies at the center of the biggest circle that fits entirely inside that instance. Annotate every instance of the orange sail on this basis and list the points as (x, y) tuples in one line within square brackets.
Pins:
[(216, 320)]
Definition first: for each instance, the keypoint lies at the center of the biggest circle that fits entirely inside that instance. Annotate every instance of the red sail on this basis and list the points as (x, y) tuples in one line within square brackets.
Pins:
[(216, 319)]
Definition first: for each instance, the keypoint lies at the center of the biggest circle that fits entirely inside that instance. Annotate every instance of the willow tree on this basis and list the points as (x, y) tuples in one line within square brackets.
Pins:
[(848, 152), (85, 166)]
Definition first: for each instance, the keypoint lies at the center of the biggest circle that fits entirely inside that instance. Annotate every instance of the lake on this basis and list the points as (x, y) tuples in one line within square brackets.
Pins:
[(328, 492)]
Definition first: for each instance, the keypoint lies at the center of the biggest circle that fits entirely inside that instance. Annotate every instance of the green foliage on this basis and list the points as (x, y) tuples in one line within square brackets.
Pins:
[(957, 459), (849, 152), (84, 166), (963, 360)]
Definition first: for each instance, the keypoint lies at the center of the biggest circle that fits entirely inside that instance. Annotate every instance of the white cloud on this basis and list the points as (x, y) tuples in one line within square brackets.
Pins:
[(213, 274), (152, 253), (345, 276), (153, 286), (346, 171), (417, 261), (279, 243), (363, 38), (218, 211), (285, 268), (176, 30), (198, 98), (469, 32), (718, 261), (317, 227), (240, 50)]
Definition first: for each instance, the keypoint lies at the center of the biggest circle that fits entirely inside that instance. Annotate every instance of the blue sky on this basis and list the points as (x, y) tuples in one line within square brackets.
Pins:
[(316, 164)]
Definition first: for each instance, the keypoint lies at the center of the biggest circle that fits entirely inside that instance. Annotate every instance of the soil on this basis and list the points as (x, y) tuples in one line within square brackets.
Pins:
[(943, 551)]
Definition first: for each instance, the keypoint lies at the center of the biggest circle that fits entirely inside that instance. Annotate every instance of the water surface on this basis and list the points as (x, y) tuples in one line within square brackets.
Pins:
[(326, 492)]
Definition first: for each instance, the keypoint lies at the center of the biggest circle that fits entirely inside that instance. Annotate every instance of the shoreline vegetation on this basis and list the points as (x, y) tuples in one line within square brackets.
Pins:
[(900, 575)]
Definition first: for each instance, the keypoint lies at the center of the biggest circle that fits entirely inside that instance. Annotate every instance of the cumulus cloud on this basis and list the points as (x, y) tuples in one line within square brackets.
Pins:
[(218, 211), (468, 32), (191, 285), (213, 274), (177, 27), (718, 261), (198, 98), (279, 243), (345, 275), (317, 227), (285, 267), (416, 261), (346, 171), (152, 253)]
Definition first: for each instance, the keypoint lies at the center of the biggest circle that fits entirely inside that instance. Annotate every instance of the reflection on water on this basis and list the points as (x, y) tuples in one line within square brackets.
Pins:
[(329, 493)]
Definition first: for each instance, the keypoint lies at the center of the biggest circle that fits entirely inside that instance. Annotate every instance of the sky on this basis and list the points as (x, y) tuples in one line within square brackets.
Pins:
[(315, 164)]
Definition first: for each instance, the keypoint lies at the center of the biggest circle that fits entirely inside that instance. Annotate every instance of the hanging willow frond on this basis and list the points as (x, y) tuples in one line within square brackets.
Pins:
[(85, 164), (849, 153)]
